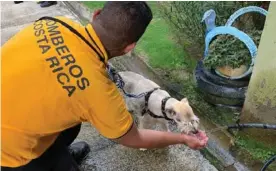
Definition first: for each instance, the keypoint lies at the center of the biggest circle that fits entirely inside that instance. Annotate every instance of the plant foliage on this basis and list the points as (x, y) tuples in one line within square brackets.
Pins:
[(227, 50), (184, 17)]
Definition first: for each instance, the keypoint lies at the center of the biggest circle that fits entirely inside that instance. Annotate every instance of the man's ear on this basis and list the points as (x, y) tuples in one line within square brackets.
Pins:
[(96, 13), (129, 48), (185, 100)]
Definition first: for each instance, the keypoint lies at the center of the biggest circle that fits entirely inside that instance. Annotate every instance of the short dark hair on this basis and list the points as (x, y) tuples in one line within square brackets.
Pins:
[(124, 22)]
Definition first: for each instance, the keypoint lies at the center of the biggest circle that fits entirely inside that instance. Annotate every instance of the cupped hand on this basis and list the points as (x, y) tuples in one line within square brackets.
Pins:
[(197, 141)]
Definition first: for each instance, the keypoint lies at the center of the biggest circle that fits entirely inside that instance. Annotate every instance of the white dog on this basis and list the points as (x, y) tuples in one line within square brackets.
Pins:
[(160, 107)]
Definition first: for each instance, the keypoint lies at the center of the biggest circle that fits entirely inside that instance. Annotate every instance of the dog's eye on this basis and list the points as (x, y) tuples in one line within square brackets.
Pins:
[(178, 120), (173, 113)]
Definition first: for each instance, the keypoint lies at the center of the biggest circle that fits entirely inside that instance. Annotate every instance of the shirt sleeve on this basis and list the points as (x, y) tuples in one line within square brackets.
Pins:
[(108, 112)]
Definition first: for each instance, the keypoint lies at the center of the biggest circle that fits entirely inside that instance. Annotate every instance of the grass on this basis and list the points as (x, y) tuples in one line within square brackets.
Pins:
[(93, 5), (250, 150), (159, 48), (157, 44), (257, 150)]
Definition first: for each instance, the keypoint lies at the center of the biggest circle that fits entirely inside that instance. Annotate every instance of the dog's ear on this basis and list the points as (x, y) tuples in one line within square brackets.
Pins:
[(170, 111), (185, 100)]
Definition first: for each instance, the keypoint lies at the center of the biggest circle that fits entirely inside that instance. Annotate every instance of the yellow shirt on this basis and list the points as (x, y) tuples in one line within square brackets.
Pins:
[(52, 80)]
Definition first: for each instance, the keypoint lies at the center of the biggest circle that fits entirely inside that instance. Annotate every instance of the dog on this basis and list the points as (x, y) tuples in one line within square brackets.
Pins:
[(158, 107)]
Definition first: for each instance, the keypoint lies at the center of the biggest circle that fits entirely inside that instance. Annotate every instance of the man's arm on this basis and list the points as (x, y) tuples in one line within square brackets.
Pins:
[(144, 138)]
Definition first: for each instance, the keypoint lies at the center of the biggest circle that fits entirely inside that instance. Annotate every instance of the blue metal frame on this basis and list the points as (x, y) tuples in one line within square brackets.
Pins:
[(212, 31)]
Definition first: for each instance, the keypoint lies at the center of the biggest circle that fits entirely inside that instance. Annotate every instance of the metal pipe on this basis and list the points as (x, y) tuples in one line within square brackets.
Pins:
[(252, 125)]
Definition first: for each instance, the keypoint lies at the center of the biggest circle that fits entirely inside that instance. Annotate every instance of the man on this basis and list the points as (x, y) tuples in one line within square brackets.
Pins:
[(54, 78)]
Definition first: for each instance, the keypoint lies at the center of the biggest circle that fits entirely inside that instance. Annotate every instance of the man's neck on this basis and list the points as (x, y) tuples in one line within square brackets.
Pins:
[(105, 39)]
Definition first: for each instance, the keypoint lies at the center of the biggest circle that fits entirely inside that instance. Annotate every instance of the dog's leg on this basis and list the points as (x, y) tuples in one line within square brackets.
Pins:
[(168, 128), (165, 126), (145, 122), (141, 122)]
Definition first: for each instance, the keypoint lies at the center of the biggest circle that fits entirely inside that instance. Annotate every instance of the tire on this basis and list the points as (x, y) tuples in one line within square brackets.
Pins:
[(222, 101), (213, 77), (212, 88)]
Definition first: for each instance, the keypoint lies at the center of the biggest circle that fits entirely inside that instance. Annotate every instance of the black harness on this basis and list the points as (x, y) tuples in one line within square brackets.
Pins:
[(146, 109)]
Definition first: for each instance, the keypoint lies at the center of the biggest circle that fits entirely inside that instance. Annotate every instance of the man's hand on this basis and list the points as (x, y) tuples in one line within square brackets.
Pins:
[(196, 141), (148, 139)]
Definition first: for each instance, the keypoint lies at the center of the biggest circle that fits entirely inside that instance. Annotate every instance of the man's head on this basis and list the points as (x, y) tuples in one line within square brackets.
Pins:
[(120, 25)]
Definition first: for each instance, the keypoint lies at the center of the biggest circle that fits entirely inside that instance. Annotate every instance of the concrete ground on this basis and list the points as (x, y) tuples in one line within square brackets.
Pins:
[(105, 154)]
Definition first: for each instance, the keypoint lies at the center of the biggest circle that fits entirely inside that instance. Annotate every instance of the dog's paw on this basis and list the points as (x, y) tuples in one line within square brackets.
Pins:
[(143, 149)]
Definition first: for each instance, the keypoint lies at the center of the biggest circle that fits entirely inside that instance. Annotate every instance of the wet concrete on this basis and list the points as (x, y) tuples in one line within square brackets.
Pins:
[(107, 155)]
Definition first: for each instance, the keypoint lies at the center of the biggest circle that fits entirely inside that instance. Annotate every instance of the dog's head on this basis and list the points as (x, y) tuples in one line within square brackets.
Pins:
[(182, 113)]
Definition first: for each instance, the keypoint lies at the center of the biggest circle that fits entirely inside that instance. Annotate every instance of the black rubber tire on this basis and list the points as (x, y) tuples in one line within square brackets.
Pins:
[(233, 108), (209, 87), (213, 77), (222, 101)]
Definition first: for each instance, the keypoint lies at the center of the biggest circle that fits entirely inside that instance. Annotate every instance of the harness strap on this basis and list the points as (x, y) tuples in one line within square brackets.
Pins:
[(147, 96), (157, 116), (146, 109), (99, 50), (77, 34), (163, 105)]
